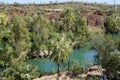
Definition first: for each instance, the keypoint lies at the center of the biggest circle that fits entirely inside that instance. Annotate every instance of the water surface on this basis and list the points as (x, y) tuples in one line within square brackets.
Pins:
[(84, 55)]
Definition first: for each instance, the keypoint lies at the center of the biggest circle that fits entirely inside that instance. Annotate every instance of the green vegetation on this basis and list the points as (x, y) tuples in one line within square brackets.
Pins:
[(15, 44), (108, 55), (61, 48), (112, 24), (23, 38), (20, 71), (29, 36)]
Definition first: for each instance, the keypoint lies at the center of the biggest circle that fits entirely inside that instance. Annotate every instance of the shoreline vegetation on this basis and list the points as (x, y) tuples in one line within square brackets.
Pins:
[(55, 30), (94, 71)]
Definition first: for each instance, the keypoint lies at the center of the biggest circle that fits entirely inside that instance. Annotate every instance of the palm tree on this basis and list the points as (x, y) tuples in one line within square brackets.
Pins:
[(61, 49), (68, 19)]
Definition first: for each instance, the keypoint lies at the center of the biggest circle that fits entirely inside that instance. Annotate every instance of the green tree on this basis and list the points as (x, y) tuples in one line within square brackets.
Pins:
[(15, 44), (112, 24), (6, 50), (112, 65), (40, 29), (19, 37), (81, 34), (68, 19), (103, 45), (107, 55), (61, 49)]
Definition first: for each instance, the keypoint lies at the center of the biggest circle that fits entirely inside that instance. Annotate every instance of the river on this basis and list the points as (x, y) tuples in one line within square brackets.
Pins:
[(84, 55)]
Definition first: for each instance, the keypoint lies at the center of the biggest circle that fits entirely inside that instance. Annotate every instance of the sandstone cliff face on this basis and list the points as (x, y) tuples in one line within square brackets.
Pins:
[(94, 18)]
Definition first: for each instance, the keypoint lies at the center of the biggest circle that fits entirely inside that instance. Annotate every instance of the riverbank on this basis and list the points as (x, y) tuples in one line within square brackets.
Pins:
[(92, 72)]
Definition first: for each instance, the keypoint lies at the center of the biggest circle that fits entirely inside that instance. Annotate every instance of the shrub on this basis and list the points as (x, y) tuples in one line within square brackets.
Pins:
[(112, 24), (20, 72), (76, 68)]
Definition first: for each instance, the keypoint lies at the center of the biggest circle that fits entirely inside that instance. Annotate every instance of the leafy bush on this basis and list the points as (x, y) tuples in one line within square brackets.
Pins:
[(112, 24), (76, 68), (107, 56), (112, 65), (20, 71)]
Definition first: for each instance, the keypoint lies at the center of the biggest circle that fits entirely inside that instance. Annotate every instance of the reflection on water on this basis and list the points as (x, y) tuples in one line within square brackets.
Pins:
[(84, 55)]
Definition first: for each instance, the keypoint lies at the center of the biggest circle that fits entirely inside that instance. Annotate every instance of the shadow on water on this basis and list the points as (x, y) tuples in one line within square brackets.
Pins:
[(83, 55)]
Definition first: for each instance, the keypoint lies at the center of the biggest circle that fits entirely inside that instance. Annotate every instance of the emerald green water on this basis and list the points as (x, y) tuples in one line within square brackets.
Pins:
[(84, 55)]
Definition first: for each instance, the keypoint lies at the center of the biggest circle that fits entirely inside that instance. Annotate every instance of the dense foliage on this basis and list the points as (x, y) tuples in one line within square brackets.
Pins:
[(108, 55), (29, 37), (23, 38), (15, 44), (20, 71), (112, 24)]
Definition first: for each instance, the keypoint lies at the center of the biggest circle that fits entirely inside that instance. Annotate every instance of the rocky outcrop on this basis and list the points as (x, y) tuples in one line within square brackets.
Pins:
[(94, 71), (93, 18), (63, 76)]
